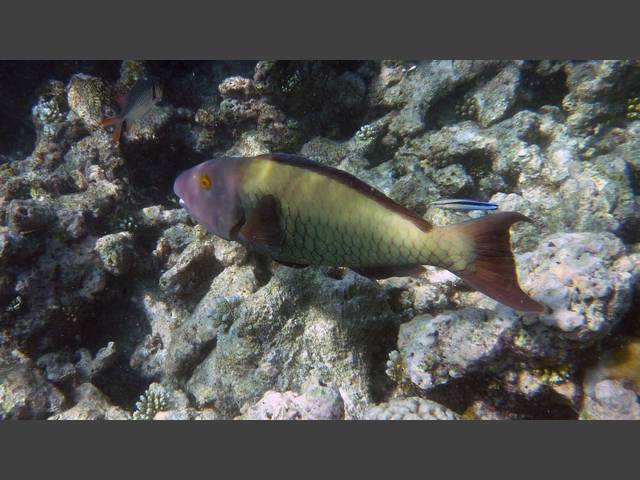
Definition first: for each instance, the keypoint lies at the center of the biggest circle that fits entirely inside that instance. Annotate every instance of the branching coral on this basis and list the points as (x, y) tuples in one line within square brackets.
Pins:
[(366, 133), (633, 108), (467, 108), (152, 401)]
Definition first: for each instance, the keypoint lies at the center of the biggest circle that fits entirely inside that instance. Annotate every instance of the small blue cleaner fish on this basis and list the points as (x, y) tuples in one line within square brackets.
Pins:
[(464, 204), (144, 94)]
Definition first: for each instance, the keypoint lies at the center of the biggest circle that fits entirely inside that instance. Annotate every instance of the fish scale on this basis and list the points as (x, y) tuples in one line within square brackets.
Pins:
[(374, 237)]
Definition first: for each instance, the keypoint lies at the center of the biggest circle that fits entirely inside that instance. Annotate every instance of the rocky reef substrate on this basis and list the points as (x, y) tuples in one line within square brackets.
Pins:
[(115, 305)]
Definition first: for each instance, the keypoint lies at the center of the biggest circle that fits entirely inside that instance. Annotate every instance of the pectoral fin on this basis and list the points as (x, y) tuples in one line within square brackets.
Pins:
[(379, 273), (262, 228)]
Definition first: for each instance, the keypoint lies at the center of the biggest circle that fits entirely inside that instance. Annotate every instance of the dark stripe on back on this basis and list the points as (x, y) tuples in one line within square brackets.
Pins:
[(351, 182)]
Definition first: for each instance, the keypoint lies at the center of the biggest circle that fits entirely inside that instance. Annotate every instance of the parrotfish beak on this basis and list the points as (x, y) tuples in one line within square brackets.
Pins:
[(180, 187)]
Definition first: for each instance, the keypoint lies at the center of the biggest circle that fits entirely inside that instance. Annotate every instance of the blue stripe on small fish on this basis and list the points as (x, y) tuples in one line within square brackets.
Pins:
[(464, 204)]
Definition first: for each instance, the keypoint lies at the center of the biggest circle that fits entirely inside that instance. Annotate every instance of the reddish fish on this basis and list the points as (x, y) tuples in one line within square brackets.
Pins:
[(144, 94), (302, 213)]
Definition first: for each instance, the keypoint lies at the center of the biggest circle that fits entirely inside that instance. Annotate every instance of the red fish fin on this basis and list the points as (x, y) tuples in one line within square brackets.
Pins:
[(262, 227), (107, 122), (118, 122), (117, 132), (379, 273), (493, 272)]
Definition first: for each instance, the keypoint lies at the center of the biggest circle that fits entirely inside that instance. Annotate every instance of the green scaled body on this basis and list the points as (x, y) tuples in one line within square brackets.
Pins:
[(302, 213), (317, 216)]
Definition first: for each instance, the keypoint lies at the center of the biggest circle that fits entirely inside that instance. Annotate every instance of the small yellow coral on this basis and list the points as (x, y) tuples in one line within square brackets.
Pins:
[(396, 367), (201, 233), (633, 108), (467, 108), (553, 376), (38, 193), (623, 363), (154, 400), (7, 170)]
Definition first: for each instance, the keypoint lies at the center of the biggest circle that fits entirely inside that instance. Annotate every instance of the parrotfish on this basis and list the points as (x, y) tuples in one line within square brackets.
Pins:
[(302, 213), (464, 204), (144, 94)]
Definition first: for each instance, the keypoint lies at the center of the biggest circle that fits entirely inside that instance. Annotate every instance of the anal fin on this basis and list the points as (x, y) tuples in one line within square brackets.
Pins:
[(117, 132), (291, 264), (117, 122), (379, 273)]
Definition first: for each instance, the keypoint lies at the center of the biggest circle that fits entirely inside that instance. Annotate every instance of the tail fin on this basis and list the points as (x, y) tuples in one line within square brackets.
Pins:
[(106, 122), (493, 272)]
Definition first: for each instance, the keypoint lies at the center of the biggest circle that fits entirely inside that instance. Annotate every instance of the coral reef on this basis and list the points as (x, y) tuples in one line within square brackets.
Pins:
[(585, 278), (317, 401), (412, 408), (111, 295), (25, 394), (91, 404), (151, 402)]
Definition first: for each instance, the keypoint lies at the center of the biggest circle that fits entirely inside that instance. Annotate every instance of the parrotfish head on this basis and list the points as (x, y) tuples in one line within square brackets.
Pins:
[(209, 192)]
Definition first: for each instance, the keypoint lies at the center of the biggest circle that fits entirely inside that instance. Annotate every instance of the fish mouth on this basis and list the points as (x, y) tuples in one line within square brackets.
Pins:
[(179, 186), (182, 191)]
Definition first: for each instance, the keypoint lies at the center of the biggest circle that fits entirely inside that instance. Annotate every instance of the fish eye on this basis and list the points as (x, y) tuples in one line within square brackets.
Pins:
[(205, 181)]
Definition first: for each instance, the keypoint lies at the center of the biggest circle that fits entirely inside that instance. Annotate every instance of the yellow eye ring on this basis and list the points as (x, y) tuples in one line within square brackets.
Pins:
[(205, 181)]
